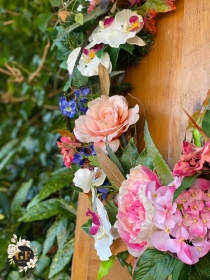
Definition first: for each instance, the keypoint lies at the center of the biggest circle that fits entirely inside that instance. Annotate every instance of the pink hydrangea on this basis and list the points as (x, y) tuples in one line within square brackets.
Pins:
[(106, 117), (134, 219), (184, 225), (192, 160), (68, 147)]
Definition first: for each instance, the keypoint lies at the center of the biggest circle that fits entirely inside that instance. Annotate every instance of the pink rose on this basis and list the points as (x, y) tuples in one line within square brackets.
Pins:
[(135, 212), (106, 116)]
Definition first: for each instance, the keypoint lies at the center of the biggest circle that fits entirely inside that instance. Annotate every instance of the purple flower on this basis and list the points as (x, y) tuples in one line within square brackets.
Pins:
[(82, 107), (80, 93), (68, 108)]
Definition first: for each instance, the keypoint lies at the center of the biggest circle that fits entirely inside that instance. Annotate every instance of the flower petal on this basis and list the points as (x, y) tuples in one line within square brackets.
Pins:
[(136, 41)]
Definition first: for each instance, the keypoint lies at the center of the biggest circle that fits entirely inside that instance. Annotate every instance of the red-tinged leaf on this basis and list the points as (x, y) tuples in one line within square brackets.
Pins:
[(149, 25), (63, 15), (118, 246), (67, 133), (158, 6)]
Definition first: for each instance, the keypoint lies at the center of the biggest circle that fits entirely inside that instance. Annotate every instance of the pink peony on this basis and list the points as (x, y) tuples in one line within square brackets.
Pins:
[(106, 116), (192, 160), (135, 212)]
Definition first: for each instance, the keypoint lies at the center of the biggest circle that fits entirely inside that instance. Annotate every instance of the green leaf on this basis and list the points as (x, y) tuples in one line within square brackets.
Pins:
[(86, 227), (113, 157), (204, 265), (127, 47), (67, 84), (7, 159), (55, 3), (79, 18), (105, 267), (21, 196), (122, 257), (36, 245), (61, 258), (129, 156), (162, 169), (64, 65), (4, 204), (177, 270), (111, 211), (195, 274), (42, 210), (62, 232), (206, 123), (184, 272), (144, 159), (59, 123), (42, 21), (42, 264), (197, 137), (113, 53), (8, 147), (186, 183), (93, 161), (93, 15), (50, 238), (158, 6), (57, 182), (62, 53), (154, 265), (78, 80), (101, 51)]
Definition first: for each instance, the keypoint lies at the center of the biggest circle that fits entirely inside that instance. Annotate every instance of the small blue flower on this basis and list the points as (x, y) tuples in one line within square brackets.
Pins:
[(68, 108), (80, 93), (82, 108)]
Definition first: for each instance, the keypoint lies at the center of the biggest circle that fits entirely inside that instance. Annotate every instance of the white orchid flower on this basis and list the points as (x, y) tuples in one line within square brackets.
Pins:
[(119, 30), (85, 179), (89, 62), (101, 231)]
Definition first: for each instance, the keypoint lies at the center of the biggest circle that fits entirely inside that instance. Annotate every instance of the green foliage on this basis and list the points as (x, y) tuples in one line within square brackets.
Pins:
[(206, 123), (105, 267), (78, 80), (111, 211), (144, 159), (203, 266), (155, 265), (129, 156), (186, 183), (114, 158), (162, 169)]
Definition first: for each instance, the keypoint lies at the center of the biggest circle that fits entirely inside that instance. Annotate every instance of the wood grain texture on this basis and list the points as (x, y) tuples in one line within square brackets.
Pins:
[(175, 75)]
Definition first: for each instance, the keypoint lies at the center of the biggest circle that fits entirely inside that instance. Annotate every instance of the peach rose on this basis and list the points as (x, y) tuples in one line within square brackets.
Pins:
[(106, 117)]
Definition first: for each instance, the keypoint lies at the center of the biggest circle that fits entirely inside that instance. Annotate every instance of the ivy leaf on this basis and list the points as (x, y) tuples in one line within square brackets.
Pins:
[(127, 47), (21, 196), (159, 163), (152, 7), (105, 267), (113, 157), (186, 183), (67, 84), (144, 159), (154, 265), (79, 18), (93, 161), (129, 156), (55, 3), (78, 80), (206, 123), (61, 258), (42, 21)]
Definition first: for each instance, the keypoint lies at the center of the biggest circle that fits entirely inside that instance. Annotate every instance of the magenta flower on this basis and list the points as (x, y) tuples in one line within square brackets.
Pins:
[(95, 220)]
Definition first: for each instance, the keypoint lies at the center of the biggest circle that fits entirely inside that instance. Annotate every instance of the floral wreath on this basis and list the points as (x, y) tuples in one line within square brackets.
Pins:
[(156, 222), (14, 248)]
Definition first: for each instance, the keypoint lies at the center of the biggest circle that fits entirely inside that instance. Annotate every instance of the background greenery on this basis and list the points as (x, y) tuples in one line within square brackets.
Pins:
[(30, 85)]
